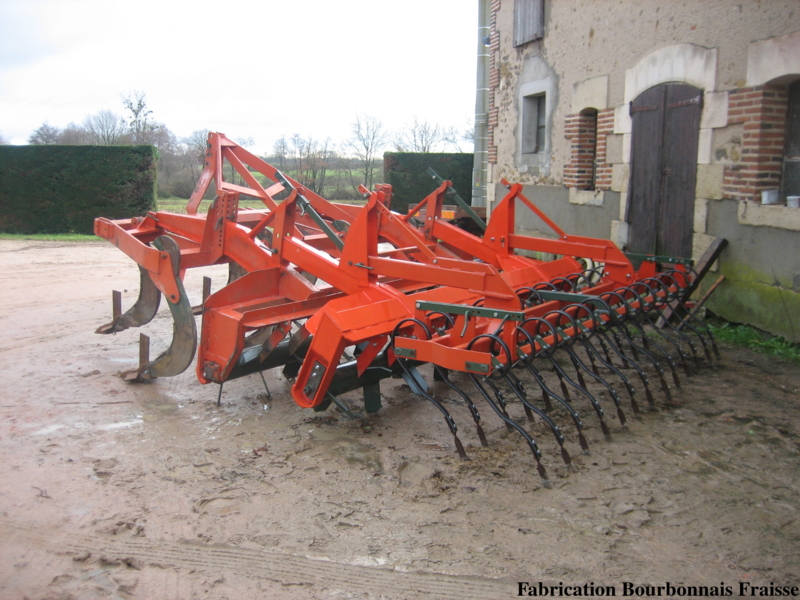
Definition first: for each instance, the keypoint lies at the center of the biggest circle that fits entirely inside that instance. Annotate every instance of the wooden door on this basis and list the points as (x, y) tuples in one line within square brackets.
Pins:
[(661, 193)]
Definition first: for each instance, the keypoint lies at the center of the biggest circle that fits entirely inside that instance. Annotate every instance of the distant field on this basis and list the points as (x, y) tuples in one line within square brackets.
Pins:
[(49, 237)]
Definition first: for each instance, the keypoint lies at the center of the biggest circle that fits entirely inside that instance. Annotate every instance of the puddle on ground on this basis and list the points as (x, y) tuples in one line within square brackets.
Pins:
[(121, 424), (49, 429)]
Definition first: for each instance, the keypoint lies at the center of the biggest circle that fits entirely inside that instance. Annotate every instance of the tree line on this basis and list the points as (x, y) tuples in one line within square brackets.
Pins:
[(333, 170)]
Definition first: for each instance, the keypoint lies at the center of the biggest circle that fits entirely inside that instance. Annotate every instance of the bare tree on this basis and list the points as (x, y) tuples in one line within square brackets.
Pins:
[(318, 163), (245, 142), (45, 135), (4, 140), (457, 139), (73, 135), (105, 128), (308, 160), (196, 147), (279, 152), (420, 136), (139, 125), (367, 140)]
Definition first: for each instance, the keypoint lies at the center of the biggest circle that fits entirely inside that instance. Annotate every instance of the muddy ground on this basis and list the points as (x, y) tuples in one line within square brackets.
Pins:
[(118, 490)]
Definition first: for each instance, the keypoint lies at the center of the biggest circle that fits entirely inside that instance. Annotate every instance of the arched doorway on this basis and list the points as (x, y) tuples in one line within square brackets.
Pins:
[(661, 194)]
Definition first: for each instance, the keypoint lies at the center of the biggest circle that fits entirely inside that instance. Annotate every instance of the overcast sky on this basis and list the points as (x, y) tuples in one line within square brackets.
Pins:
[(257, 69)]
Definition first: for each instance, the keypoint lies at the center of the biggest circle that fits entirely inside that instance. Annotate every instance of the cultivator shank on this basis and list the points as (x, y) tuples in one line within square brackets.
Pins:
[(342, 296)]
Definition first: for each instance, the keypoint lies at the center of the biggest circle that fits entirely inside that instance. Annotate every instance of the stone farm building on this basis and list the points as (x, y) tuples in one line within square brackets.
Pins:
[(657, 125)]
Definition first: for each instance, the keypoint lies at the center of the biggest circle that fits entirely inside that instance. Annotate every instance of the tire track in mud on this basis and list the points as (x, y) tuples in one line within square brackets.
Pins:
[(285, 569)]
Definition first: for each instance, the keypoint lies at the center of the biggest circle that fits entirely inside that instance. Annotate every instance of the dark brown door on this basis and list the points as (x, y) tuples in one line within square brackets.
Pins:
[(661, 194), (790, 182)]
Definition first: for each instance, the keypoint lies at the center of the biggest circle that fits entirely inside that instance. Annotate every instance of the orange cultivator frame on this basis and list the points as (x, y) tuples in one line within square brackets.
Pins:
[(318, 278)]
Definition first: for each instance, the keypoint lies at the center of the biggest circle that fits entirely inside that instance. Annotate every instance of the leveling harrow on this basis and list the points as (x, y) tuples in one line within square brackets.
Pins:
[(343, 296)]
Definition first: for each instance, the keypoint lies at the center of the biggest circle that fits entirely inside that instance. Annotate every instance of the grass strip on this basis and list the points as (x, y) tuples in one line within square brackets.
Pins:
[(748, 337)]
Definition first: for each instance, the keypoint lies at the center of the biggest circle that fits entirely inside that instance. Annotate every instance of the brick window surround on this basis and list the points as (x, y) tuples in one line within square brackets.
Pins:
[(587, 131), (762, 110)]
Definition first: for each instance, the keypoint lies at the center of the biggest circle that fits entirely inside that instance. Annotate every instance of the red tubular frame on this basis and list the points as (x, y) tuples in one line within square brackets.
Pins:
[(366, 292)]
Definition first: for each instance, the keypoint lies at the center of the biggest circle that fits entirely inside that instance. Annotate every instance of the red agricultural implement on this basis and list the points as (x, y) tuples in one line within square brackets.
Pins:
[(342, 296)]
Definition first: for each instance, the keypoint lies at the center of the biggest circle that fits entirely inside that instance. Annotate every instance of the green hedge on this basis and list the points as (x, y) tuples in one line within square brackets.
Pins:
[(61, 189), (406, 172)]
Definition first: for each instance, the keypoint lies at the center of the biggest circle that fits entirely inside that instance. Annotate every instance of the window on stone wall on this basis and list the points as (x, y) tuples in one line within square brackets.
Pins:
[(534, 123), (528, 21), (791, 155)]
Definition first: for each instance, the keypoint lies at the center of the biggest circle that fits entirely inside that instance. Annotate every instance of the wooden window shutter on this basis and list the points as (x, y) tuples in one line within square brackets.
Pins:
[(528, 21), (791, 158)]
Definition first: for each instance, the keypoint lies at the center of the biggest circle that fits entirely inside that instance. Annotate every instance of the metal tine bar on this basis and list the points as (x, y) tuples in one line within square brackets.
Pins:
[(561, 377), (619, 323), (602, 339), (679, 304), (500, 397), (676, 298), (615, 333), (577, 363), (602, 336), (622, 327), (532, 293), (586, 275), (142, 311), (537, 454), (451, 424), (527, 362), (442, 374), (558, 371), (665, 302), (548, 353), (632, 314), (566, 282), (472, 408), (598, 409), (116, 305), (691, 315), (266, 387), (639, 371), (516, 387), (646, 315), (580, 367), (644, 307), (585, 340), (590, 349)]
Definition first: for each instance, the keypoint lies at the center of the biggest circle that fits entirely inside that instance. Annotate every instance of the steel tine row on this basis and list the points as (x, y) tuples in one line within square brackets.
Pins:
[(606, 328)]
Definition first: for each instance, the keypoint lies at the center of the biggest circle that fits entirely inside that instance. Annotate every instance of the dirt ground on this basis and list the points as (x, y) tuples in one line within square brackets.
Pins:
[(118, 490)]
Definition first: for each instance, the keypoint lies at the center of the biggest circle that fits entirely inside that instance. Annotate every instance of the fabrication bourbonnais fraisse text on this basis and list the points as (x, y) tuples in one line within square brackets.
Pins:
[(663, 590)]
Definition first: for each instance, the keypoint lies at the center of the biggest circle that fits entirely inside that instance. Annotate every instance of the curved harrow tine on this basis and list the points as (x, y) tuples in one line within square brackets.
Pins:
[(142, 311), (180, 353), (451, 424)]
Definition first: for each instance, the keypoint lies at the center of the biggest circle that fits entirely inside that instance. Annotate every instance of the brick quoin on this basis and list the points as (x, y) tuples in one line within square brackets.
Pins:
[(494, 82), (762, 111)]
